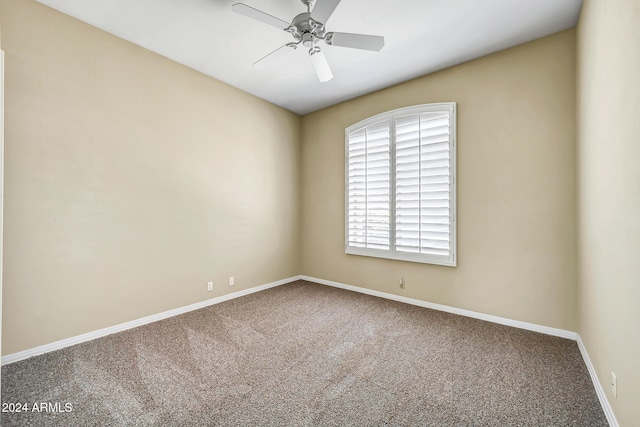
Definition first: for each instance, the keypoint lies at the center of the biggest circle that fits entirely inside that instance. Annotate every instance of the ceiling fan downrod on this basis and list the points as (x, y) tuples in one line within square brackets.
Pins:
[(309, 4)]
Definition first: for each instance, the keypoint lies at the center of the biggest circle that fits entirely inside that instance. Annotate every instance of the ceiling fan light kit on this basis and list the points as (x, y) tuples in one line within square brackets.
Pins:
[(308, 29)]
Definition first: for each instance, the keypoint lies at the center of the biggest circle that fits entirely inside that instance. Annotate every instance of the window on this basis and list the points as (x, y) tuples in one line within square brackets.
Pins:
[(400, 185)]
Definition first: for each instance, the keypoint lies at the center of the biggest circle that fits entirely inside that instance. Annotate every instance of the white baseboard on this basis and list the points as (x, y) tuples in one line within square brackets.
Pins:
[(608, 411), (21, 355), (420, 303), (606, 407)]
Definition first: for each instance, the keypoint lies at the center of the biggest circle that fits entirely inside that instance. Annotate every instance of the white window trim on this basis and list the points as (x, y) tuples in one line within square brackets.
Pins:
[(392, 254)]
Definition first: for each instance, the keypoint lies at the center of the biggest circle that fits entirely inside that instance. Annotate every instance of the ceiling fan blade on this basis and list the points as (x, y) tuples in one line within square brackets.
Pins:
[(355, 41), (258, 15), (323, 10), (322, 66)]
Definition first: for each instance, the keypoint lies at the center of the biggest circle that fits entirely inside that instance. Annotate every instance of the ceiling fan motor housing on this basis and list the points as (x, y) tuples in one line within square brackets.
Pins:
[(306, 30)]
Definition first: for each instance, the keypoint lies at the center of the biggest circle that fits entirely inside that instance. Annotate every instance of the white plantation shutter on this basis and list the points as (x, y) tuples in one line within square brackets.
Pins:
[(422, 183), (400, 191), (369, 194)]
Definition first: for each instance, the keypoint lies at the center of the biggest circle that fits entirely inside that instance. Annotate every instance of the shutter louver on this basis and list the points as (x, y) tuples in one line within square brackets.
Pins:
[(369, 181), (423, 173)]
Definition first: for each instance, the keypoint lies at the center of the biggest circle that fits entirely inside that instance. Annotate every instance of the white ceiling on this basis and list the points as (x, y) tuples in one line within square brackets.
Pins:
[(421, 36)]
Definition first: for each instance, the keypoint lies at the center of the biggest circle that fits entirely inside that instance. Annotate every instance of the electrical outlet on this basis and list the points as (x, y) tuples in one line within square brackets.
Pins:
[(232, 281), (401, 283), (209, 286), (614, 385)]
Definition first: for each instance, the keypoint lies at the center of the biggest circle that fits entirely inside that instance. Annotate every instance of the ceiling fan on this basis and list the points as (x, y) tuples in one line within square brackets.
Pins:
[(308, 28)]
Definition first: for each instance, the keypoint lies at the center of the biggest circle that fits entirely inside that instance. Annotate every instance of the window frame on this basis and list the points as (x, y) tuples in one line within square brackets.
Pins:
[(390, 117)]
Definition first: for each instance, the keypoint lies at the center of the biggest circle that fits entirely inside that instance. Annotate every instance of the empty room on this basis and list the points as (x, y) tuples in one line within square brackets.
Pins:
[(320, 212)]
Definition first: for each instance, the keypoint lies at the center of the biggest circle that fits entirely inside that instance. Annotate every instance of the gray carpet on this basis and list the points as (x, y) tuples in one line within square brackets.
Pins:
[(306, 354)]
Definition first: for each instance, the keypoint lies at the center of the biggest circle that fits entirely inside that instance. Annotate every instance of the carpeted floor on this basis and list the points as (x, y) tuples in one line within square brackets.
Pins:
[(306, 354)]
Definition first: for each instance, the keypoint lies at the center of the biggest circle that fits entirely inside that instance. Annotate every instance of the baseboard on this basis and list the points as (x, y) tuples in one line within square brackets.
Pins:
[(10, 358), (21, 355), (489, 318), (608, 411), (606, 407)]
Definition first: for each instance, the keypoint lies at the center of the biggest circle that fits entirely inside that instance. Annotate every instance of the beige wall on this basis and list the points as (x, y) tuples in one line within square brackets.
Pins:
[(516, 187), (609, 196), (131, 181)]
